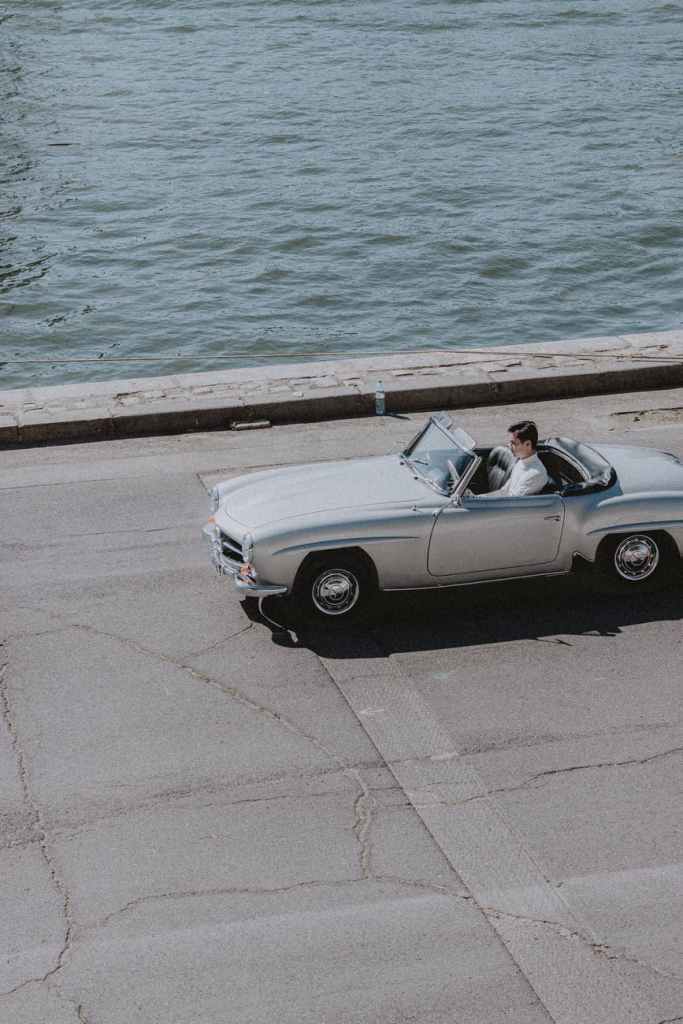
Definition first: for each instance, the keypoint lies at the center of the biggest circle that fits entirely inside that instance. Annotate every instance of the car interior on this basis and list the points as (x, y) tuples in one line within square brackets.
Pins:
[(496, 467)]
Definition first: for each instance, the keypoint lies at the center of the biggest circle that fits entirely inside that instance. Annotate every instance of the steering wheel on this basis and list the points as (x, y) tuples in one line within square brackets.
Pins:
[(454, 475)]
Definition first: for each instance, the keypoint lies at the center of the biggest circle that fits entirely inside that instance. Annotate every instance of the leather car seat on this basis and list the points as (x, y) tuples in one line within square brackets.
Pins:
[(499, 466)]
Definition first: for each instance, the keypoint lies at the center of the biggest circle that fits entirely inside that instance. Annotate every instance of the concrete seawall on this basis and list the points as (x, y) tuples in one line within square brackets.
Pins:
[(300, 392)]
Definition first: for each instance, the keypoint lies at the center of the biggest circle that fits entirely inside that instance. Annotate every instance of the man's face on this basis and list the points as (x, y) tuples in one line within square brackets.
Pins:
[(520, 449)]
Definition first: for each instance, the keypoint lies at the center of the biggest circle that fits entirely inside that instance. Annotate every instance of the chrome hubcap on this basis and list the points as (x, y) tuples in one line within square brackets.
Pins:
[(636, 558), (335, 591)]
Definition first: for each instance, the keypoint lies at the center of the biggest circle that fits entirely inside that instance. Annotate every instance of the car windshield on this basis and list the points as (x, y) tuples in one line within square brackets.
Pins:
[(438, 456)]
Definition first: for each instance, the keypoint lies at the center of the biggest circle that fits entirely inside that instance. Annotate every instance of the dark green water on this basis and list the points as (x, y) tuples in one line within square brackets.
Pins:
[(274, 180)]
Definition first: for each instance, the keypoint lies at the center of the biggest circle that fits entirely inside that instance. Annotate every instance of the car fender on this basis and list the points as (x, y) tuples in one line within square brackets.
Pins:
[(631, 513), (395, 540)]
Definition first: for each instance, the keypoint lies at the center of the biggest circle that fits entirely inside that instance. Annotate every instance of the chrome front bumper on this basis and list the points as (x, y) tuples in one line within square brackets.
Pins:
[(225, 567)]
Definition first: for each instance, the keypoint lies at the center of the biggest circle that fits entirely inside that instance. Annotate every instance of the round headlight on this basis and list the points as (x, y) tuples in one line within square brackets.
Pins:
[(214, 500), (247, 547)]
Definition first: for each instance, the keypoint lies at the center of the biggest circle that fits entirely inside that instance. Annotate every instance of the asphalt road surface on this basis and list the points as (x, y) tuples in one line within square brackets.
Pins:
[(469, 812)]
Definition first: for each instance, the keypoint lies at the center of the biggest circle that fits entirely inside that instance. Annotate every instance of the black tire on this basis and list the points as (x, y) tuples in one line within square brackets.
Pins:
[(334, 589), (638, 561)]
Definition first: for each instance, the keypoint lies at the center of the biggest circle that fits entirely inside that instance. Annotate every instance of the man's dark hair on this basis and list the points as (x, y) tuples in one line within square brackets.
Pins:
[(526, 430)]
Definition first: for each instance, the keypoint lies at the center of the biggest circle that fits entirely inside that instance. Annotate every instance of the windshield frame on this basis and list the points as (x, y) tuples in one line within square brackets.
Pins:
[(457, 439)]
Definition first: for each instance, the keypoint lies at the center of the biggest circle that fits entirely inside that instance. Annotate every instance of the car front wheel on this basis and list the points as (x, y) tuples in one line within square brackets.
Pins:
[(335, 589), (637, 561)]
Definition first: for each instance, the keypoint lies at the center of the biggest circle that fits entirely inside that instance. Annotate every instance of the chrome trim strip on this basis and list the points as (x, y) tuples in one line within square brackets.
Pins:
[(642, 527), (332, 543), (251, 589), (477, 583)]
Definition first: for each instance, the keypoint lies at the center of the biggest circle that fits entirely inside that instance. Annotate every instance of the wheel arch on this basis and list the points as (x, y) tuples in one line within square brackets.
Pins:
[(323, 555), (665, 539)]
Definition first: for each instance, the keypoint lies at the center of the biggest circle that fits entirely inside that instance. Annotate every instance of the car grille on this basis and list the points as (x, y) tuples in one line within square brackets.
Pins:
[(231, 547)]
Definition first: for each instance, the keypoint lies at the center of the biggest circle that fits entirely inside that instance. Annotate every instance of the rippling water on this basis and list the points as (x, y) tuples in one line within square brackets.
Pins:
[(300, 178)]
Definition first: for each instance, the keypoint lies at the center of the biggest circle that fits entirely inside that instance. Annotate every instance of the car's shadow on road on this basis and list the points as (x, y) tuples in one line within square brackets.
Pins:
[(541, 609)]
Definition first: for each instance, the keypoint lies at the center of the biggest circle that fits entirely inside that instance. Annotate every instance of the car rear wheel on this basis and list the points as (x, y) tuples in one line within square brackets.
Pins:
[(334, 589), (637, 561)]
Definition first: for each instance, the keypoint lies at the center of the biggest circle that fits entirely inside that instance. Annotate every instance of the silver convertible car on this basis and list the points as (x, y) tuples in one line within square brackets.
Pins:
[(330, 535)]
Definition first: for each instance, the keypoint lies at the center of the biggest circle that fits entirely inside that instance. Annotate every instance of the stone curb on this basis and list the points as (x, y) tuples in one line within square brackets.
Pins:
[(310, 392)]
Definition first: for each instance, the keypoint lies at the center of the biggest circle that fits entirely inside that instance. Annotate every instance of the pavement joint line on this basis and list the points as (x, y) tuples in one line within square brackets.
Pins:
[(226, 890), (605, 950), (219, 643), (234, 693), (363, 805), (41, 833), (332, 883), (573, 985), (564, 771), (31, 634), (231, 691), (600, 948), (81, 1014), (364, 808), (72, 829)]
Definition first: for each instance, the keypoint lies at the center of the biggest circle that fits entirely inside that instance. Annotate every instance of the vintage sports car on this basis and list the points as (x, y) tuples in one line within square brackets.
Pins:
[(330, 535)]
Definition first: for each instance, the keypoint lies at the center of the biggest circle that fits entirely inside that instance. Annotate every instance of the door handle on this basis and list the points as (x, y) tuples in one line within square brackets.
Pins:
[(556, 518)]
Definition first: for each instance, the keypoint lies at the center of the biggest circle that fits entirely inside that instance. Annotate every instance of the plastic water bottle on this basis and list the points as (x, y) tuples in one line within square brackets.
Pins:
[(380, 405)]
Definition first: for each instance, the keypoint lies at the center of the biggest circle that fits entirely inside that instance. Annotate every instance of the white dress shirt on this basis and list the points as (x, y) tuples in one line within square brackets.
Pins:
[(529, 476)]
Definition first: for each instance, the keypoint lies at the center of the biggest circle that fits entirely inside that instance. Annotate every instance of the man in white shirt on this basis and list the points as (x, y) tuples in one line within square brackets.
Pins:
[(529, 475)]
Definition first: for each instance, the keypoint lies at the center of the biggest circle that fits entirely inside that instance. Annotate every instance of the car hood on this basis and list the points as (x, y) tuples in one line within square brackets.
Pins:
[(277, 494), (643, 469)]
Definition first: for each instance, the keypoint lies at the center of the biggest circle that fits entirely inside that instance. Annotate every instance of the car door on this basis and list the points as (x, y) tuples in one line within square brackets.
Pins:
[(488, 535)]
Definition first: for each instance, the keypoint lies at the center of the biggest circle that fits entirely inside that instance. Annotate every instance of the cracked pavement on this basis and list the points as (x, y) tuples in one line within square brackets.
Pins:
[(201, 823)]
